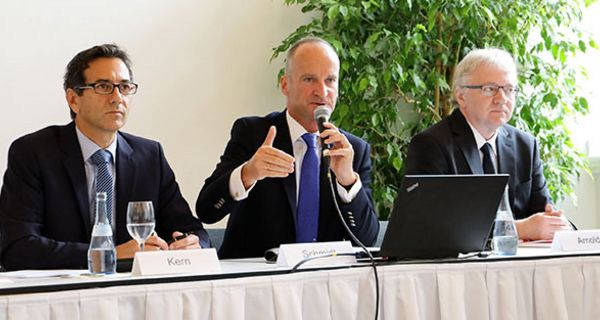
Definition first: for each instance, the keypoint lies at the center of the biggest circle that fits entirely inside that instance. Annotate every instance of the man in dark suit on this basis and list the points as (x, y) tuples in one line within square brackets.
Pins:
[(47, 199), (261, 176), (484, 88)]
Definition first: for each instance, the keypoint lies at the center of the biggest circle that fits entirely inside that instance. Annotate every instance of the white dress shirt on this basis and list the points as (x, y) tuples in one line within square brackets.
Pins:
[(480, 141), (88, 148)]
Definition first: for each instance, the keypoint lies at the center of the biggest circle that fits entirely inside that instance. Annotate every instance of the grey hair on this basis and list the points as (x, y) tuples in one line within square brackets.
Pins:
[(489, 56)]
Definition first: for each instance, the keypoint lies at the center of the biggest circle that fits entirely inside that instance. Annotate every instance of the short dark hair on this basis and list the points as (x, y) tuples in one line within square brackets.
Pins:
[(74, 74)]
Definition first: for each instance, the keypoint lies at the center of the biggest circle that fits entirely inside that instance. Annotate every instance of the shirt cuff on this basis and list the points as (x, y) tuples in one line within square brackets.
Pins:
[(348, 195), (236, 185)]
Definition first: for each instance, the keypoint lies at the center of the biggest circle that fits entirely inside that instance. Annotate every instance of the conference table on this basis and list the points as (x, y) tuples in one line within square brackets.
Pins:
[(535, 284)]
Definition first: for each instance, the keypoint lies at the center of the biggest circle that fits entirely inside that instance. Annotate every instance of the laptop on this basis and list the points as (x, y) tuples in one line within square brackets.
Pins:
[(440, 216)]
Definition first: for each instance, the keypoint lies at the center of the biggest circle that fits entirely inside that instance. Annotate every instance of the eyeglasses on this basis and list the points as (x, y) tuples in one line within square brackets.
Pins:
[(490, 90), (103, 87)]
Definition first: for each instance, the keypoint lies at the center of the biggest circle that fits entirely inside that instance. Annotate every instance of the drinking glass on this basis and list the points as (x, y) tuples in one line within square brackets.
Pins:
[(140, 221)]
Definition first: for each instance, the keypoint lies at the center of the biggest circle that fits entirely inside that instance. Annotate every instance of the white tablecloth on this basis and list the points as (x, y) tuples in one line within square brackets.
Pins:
[(565, 288)]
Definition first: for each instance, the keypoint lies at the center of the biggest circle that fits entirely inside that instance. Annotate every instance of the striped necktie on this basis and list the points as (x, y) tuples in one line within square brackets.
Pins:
[(104, 179)]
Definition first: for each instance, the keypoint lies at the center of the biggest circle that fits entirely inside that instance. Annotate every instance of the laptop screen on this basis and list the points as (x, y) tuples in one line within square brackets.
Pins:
[(440, 216)]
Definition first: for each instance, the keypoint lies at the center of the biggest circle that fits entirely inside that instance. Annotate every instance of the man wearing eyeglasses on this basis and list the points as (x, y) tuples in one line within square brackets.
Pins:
[(476, 139), (47, 199)]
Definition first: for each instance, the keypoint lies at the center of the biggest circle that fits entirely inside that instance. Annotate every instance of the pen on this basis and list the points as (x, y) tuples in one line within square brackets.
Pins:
[(177, 238)]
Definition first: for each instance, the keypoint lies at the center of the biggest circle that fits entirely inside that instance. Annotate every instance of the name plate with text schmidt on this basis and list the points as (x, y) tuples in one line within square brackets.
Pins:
[(291, 254), (175, 261), (578, 240)]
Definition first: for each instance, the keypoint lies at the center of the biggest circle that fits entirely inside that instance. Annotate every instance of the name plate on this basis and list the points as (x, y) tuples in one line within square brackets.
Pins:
[(578, 240), (291, 254), (175, 261)]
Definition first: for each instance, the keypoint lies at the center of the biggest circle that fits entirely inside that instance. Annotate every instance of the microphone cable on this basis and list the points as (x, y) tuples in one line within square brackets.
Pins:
[(355, 239), (321, 256), (373, 263)]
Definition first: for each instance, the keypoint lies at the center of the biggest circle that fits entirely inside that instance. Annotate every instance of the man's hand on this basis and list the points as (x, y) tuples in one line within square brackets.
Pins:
[(341, 154), (267, 162), (129, 248), (542, 225), (190, 242)]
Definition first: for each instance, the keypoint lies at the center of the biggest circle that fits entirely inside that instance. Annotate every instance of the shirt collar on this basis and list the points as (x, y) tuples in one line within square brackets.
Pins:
[(296, 129), (88, 147), (480, 140)]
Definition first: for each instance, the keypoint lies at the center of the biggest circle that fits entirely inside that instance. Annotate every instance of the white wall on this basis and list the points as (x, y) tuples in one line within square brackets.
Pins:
[(200, 65)]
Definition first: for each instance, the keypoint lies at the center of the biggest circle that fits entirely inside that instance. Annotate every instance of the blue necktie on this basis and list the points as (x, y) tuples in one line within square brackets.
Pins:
[(104, 180), (307, 216), (487, 163)]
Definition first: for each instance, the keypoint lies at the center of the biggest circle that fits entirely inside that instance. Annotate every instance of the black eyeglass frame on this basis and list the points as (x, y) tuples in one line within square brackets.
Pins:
[(495, 88), (113, 86)]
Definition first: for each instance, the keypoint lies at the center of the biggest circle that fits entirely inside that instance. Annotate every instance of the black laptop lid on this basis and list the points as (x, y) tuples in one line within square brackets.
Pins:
[(439, 216)]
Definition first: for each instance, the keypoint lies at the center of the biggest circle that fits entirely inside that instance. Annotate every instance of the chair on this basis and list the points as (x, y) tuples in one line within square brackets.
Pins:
[(216, 236), (382, 227)]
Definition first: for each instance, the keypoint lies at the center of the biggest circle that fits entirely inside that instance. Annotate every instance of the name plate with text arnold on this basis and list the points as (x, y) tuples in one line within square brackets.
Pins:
[(176, 261), (578, 240)]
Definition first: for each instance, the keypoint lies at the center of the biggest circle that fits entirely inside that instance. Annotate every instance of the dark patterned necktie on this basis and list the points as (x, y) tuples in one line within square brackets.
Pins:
[(104, 179), (487, 163)]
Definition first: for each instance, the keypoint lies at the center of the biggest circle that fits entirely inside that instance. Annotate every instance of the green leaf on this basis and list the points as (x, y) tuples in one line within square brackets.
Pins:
[(372, 39), (344, 10), (363, 84), (490, 15), (397, 163), (375, 119), (333, 12), (582, 46)]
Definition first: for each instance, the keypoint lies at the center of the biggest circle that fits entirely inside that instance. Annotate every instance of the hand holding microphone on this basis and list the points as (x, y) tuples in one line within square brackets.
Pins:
[(336, 146)]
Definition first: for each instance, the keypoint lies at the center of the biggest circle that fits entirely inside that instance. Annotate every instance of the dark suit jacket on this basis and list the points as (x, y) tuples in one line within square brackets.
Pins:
[(266, 218), (449, 147), (44, 205)]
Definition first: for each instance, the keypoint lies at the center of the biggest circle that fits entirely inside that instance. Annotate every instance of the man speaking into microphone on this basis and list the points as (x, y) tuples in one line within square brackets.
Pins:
[(272, 179)]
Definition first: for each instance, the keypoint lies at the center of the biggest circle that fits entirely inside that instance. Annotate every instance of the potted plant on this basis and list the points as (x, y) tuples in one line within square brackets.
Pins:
[(397, 58)]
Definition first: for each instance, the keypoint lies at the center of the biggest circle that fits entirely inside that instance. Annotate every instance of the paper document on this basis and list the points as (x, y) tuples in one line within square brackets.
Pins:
[(31, 274)]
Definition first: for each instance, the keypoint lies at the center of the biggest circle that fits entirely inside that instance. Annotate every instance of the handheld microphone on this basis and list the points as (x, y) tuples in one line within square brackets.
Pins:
[(321, 115)]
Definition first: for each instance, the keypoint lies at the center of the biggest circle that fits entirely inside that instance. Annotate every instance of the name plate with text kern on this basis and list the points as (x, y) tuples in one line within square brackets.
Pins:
[(175, 262)]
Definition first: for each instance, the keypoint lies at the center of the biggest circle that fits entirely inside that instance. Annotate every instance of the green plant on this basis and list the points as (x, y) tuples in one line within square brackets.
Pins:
[(397, 62)]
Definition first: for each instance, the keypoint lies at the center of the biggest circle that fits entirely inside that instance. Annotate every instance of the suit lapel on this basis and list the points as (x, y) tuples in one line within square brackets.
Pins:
[(506, 152), (73, 162), (125, 185), (283, 142), (466, 141)]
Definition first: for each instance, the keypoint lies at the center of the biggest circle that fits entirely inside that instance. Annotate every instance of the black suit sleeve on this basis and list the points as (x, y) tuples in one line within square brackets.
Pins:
[(530, 194), (425, 156), (175, 214), (22, 218), (361, 207), (214, 201)]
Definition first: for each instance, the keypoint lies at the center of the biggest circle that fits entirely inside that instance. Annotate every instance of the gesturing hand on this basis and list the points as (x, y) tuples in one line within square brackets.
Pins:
[(267, 162)]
